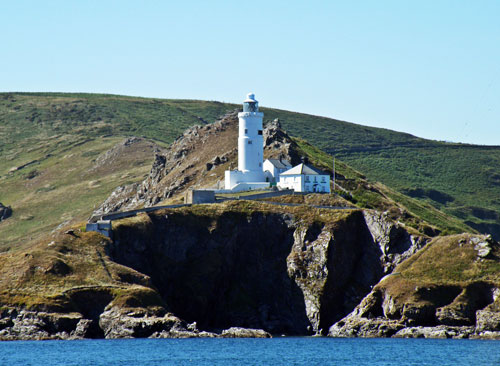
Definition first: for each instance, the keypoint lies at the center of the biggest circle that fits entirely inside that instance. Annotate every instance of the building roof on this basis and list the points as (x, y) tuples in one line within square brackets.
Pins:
[(303, 169), (280, 164)]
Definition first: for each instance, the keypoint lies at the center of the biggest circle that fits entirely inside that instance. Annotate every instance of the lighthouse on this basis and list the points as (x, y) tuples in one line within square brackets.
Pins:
[(250, 174), (250, 141)]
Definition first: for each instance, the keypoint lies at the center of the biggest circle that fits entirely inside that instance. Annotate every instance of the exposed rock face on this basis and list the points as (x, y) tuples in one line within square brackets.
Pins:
[(393, 240), (431, 311), (262, 270), (198, 158), (440, 331), (483, 246), (334, 269), (23, 324), (113, 323), (278, 144), (5, 212), (139, 323), (179, 166), (236, 332)]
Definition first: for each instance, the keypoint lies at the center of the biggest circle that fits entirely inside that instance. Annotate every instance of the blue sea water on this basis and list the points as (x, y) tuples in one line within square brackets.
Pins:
[(248, 352)]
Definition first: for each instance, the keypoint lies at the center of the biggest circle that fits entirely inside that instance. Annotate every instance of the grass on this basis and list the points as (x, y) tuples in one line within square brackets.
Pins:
[(459, 267), (461, 180), (44, 275), (432, 273), (66, 187), (243, 193), (370, 194), (316, 199), (210, 213), (61, 134)]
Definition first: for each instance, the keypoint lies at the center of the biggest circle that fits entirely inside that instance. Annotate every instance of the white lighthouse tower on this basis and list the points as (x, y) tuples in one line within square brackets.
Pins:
[(250, 141), (250, 174)]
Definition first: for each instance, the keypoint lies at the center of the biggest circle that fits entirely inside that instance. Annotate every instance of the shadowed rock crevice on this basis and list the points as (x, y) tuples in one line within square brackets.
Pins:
[(355, 265), (5, 212), (254, 269), (91, 304), (408, 304), (221, 273)]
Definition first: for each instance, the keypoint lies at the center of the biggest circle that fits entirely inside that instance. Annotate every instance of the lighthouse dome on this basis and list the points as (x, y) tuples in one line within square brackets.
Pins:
[(250, 104)]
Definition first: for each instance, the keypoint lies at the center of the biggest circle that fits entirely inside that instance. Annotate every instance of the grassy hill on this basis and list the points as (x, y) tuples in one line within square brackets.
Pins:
[(50, 144)]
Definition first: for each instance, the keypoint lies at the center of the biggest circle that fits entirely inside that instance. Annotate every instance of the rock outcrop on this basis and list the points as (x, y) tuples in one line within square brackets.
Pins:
[(113, 323), (395, 243), (250, 269), (5, 212), (117, 322), (260, 270), (18, 324), (197, 158), (404, 305)]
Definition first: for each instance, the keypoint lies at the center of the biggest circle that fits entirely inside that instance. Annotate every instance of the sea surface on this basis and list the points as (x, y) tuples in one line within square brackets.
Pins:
[(234, 352)]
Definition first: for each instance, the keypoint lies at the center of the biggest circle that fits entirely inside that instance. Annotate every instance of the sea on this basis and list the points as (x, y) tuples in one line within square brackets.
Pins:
[(248, 352)]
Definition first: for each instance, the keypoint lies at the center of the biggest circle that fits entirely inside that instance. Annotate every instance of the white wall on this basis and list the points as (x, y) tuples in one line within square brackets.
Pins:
[(317, 183), (271, 170), (294, 182), (250, 142), (234, 177), (305, 183)]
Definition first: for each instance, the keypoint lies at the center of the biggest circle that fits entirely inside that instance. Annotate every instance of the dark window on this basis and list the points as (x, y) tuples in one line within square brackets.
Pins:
[(246, 131), (249, 142), (260, 132)]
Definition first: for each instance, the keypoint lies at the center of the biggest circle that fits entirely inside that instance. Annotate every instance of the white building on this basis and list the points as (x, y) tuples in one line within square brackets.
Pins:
[(304, 178), (274, 167), (250, 173)]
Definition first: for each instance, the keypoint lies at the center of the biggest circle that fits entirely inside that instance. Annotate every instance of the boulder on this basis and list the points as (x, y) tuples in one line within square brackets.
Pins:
[(487, 320), (237, 332), (441, 331), (31, 325), (138, 323), (5, 212)]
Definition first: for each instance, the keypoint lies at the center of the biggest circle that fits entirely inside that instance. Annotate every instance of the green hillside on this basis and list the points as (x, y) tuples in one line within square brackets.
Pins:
[(39, 128)]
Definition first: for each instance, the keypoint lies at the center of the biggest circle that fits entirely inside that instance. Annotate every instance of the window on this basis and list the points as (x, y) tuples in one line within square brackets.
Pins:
[(246, 131), (307, 178), (249, 142), (323, 179), (259, 132), (315, 178), (260, 164)]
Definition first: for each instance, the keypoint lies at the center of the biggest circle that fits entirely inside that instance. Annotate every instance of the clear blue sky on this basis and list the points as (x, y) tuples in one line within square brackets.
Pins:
[(427, 67)]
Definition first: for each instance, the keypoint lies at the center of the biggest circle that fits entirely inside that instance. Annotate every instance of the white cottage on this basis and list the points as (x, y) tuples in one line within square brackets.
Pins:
[(304, 178), (274, 167)]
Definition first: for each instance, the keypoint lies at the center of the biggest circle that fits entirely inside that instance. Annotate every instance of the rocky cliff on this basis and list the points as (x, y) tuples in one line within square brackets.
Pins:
[(247, 268), (221, 270), (451, 289), (197, 158)]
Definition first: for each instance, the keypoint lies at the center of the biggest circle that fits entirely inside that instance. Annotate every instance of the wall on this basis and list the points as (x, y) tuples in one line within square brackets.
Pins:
[(294, 182), (309, 183), (195, 196)]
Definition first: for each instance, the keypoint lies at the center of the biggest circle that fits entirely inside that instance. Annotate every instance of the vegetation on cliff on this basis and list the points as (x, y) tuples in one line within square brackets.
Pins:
[(450, 288), (40, 129), (65, 153)]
